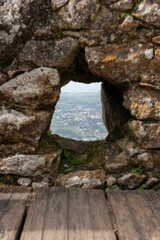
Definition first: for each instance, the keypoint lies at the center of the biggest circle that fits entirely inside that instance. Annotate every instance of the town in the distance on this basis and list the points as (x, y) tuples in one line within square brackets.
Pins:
[(79, 116)]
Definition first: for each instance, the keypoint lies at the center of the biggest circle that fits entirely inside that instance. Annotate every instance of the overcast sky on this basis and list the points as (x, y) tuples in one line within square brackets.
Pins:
[(81, 87)]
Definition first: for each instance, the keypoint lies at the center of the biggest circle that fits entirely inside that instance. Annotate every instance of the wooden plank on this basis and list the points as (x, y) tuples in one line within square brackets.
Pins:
[(101, 223), (135, 216), (67, 214), (33, 227), (5, 195), (55, 226), (14, 206), (79, 222), (153, 199)]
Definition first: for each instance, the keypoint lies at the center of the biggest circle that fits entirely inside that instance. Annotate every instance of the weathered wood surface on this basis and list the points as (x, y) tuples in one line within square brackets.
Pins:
[(78, 214), (137, 214), (12, 210), (68, 214)]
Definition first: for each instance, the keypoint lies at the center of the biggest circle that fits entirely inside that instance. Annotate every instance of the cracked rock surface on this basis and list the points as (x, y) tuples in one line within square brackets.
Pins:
[(46, 44)]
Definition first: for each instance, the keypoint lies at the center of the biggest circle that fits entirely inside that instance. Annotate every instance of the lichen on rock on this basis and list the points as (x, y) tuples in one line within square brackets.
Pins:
[(46, 44)]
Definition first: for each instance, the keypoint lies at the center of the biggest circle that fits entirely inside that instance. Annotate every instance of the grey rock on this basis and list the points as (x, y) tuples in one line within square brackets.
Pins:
[(16, 127), (31, 165), (146, 133), (110, 180), (24, 182), (40, 87), (8, 149), (143, 102), (149, 11), (120, 52), (84, 183), (149, 160), (13, 118), (131, 180), (151, 182), (59, 54), (77, 14), (58, 3), (116, 167), (16, 21), (104, 19), (83, 179), (128, 24), (23, 165), (122, 5), (120, 64)]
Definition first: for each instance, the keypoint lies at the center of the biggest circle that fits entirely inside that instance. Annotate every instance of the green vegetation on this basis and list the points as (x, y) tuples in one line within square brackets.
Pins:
[(65, 152), (113, 185), (125, 14), (94, 150), (75, 161), (49, 133), (71, 159), (140, 169), (129, 12), (142, 187)]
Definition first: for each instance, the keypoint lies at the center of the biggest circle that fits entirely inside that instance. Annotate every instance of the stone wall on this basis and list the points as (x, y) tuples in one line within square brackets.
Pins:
[(43, 45)]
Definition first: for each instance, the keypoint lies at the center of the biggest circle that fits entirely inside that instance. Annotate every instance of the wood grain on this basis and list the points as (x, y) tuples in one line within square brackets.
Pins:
[(34, 224), (79, 221), (55, 225), (13, 206), (99, 215), (68, 214), (136, 216)]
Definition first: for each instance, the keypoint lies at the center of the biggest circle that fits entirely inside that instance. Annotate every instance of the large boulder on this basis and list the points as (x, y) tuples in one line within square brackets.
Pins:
[(16, 127), (148, 11), (35, 89), (84, 179), (30, 165), (77, 14), (59, 54), (146, 133), (131, 180), (143, 102), (16, 23), (105, 20), (120, 63)]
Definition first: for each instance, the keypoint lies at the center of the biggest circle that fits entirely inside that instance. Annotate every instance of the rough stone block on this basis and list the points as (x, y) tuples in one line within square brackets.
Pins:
[(35, 89), (143, 102), (146, 133), (131, 180), (84, 179)]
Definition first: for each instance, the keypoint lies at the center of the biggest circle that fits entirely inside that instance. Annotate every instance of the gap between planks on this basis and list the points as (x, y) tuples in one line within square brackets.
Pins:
[(68, 214), (12, 212)]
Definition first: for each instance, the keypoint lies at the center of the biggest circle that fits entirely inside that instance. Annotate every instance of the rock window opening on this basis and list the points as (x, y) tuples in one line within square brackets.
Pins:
[(78, 113)]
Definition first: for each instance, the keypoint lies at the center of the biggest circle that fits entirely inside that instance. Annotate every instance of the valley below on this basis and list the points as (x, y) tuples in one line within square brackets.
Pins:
[(79, 116)]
